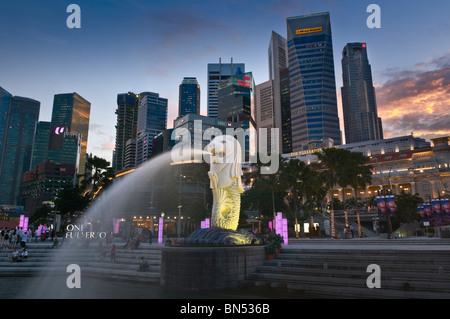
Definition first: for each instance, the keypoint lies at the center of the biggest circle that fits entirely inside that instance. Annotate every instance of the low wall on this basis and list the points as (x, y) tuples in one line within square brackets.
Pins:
[(208, 268)]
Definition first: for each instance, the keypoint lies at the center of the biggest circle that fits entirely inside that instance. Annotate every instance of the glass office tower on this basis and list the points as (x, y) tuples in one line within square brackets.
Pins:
[(189, 97), (278, 60), (5, 99), (17, 144), (126, 127), (152, 120), (41, 143), (359, 103), (314, 112), (217, 73), (70, 116), (236, 101)]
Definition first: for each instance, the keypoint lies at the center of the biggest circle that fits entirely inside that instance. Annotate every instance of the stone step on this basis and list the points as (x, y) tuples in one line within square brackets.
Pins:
[(152, 276), (328, 291), (370, 241), (344, 265), (358, 272), (369, 259), (304, 282)]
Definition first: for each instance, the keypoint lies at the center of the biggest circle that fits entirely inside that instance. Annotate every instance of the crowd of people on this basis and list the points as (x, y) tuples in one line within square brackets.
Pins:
[(13, 238)]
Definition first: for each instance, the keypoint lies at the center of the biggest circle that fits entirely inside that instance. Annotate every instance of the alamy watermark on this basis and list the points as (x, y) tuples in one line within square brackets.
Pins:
[(374, 280), (74, 279), (374, 20), (74, 19)]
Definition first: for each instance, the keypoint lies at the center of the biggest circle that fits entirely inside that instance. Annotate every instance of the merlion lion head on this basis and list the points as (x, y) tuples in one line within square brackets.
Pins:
[(226, 158)]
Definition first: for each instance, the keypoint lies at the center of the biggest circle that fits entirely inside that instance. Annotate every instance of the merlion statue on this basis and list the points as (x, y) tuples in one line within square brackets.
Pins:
[(225, 181)]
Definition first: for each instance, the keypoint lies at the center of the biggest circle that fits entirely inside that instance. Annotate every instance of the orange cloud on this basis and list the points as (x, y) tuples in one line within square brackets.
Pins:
[(417, 100)]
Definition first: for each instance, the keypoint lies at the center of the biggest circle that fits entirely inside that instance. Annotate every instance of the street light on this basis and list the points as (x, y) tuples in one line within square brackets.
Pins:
[(383, 193)]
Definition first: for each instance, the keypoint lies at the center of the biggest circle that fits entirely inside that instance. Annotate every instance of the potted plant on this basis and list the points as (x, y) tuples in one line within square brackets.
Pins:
[(270, 250), (277, 240)]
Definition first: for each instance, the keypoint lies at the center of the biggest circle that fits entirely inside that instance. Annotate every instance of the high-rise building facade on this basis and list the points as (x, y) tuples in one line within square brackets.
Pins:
[(314, 112), (278, 60), (361, 121), (5, 99), (189, 97), (152, 119), (236, 101), (126, 127), (70, 117), (264, 113), (17, 143), (285, 103), (43, 182), (217, 73), (41, 143)]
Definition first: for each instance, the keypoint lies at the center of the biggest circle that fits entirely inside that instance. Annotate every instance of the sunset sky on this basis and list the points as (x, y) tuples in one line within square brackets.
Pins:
[(147, 45)]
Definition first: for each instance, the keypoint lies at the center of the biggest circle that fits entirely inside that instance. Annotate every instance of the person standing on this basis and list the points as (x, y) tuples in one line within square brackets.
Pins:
[(113, 253), (23, 240)]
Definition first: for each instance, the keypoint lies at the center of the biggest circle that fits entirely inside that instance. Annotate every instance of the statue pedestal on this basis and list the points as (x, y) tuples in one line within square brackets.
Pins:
[(221, 237), (208, 268)]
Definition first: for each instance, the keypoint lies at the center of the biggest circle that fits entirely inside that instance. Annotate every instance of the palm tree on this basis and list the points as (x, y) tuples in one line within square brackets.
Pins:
[(100, 177), (334, 162), (270, 182), (294, 177), (359, 175)]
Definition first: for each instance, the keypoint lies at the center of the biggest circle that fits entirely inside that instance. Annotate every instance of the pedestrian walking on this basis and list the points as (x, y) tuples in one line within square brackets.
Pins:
[(6, 239), (23, 240), (351, 230)]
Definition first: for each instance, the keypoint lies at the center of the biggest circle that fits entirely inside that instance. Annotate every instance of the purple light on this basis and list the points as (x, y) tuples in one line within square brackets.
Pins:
[(270, 226), (22, 218), (59, 130), (25, 223), (279, 224), (205, 223), (285, 231), (116, 224), (160, 230)]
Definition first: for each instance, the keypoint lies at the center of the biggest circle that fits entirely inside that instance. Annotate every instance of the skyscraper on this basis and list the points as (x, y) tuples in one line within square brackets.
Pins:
[(41, 143), (218, 72), (126, 127), (236, 99), (278, 60), (152, 119), (314, 113), (70, 116), (189, 97), (18, 131), (359, 103), (264, 113), (285, 103)]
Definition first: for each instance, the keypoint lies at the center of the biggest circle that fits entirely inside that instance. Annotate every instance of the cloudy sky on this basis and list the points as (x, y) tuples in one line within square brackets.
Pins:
[(147, 45)]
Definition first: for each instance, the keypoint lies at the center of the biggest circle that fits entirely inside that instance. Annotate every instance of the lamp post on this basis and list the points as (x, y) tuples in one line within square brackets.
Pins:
[(179, 222), (179, 206), (383, 193)]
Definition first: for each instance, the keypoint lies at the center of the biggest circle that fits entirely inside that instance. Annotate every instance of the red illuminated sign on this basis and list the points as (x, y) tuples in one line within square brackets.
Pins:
[(244, 83)]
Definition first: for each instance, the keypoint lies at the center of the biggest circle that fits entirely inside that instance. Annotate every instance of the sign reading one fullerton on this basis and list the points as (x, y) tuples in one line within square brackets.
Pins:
[(183, 151)]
